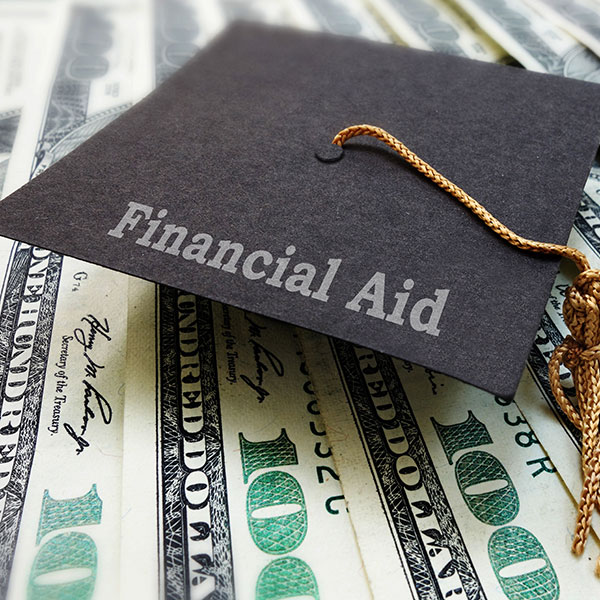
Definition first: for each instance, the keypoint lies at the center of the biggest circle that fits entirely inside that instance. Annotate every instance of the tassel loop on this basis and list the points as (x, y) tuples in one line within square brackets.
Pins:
[(579, 352)]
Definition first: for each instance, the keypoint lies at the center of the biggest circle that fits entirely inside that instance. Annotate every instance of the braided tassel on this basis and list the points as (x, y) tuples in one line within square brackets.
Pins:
[(579, 352)]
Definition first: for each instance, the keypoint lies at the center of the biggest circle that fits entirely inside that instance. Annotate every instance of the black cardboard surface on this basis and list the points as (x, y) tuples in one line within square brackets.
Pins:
[(227, 147)]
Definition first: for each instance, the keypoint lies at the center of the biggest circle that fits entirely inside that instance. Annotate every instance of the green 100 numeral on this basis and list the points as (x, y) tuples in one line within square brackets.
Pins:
[(277, 518), (520, 563), (69, 551)]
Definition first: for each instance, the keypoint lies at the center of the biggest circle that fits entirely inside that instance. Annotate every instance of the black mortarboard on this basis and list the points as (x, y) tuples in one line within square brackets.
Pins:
[(211, 184)]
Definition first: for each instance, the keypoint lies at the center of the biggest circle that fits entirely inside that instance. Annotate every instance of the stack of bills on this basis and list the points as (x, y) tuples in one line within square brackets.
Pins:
[(154, 444)]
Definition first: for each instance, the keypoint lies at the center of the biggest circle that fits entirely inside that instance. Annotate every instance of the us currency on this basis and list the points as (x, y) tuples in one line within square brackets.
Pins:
[(180, 29), (532, 40), (432, 25), (579, 18), (345, 17), (271, 12), (446, 485), (63, 328), (556, 433), (183, 27), (25, 44), (560, 439), (225, 451), (196, 558), (95, 83)]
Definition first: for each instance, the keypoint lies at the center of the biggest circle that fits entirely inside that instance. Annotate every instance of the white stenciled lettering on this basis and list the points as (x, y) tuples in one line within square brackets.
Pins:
[(305, 279), (180, 234), (248, 266), (401, 300), (153, 225), (435, 308), (282, 264), (374, 292), (301, 280), (321, 293), (232, 250), (131, 218), (197, 250), (424, 316)]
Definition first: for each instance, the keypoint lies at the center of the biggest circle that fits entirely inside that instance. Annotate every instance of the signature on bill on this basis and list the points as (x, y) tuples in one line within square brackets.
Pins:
[(264, 361), (89, 335)]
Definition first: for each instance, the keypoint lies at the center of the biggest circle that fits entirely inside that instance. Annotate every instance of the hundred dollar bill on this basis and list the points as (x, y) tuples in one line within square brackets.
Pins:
[(345, 17), (560, 438), (62, 357), (202, 546), (26, 30), (433, 25), (446, 485), (579, 18), (94, 81), (532, 40), (272, 12), (181, 28), (229, 487)]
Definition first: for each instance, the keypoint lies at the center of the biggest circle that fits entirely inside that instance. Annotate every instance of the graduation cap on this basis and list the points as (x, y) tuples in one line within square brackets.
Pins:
[(223, 182)]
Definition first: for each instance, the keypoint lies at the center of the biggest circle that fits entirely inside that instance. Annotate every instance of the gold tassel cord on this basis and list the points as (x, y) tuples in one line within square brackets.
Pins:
[(579, 352)]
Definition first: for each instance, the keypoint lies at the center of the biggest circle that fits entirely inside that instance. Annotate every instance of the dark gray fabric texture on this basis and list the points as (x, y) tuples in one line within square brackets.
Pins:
[(227, 146)]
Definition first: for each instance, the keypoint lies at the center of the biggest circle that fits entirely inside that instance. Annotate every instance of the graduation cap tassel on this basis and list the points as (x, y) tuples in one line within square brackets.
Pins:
[(579, 352)]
